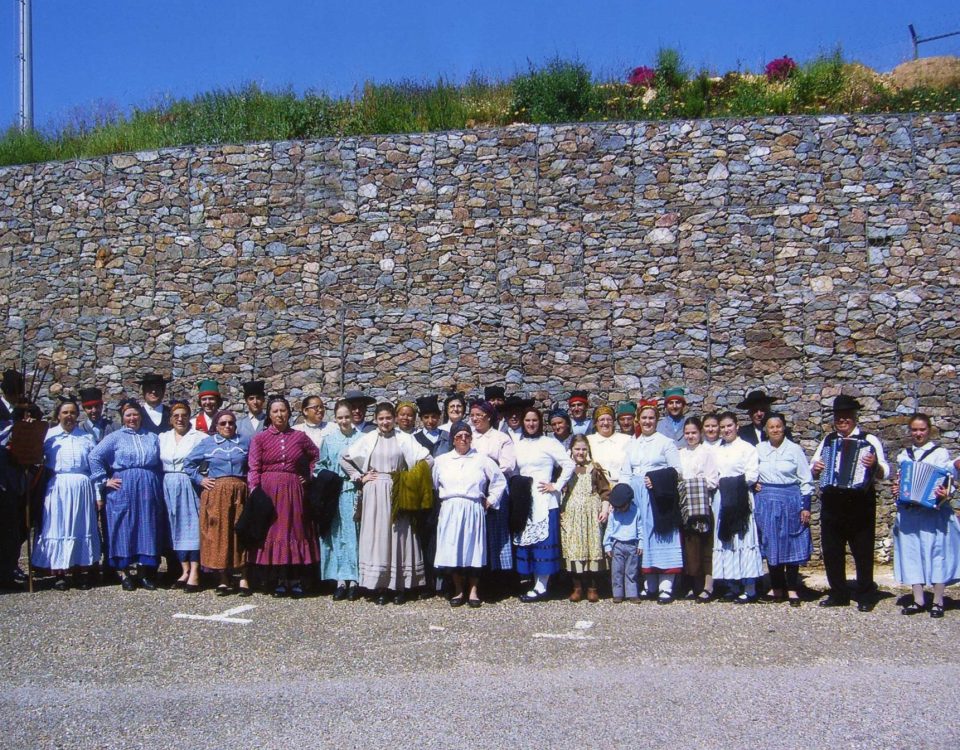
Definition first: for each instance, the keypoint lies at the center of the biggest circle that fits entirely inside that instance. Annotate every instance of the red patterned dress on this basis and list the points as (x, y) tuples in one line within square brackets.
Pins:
[(278, 461)]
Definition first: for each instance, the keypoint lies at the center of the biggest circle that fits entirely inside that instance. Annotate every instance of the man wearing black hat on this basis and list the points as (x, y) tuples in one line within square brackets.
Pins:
[(430, 436), (156, 414), (11, 390), (757, 405), (254, 396), (497, 396), (848, 515), (359, 403), (96, 424), (12, 485), (513, 409)]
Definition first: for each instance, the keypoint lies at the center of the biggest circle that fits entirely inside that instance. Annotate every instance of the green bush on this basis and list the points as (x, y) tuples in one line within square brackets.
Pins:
[(670, 71), (559, 92)]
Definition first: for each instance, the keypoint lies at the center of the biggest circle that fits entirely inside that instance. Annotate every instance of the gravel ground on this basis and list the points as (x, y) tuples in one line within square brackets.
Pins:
[(109, 669)]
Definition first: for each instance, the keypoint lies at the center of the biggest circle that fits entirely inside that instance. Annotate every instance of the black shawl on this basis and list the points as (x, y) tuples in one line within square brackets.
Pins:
[(323, 499), (734, 508), (254, 522), (520, 491), (665, 500)]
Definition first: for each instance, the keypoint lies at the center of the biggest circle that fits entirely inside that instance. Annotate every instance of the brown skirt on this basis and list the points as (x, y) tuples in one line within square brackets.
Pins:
[(697, 553), (219, 510)]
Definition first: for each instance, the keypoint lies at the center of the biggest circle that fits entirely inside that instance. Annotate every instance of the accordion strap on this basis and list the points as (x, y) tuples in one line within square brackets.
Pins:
[(931, 449)]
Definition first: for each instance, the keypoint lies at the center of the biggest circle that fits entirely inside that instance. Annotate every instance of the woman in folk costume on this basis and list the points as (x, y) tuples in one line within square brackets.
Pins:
[(223, 495), (468, 483), (581, 527), (926, 541), (700, 476), (210, 400), (313, 424), (338, 547), (782, 508), (391, 559), (127, 463), (68, 538), (281, 461), (496, 445), (179, 496), (538, 545), (656, 494), (736, 548)]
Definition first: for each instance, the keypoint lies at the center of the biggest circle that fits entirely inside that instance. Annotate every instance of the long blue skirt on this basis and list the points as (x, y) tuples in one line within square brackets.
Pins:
[(661, 553), (183, 512), (499, 539), (339, 548), (135, 519), (783, 539), (543, 558), (926, 546)]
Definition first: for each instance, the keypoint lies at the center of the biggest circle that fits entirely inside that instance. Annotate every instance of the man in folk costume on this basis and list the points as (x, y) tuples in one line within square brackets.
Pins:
[(359, 404), (671, 423), (577, 405), (512, 412), (497, 396), (430, 436), (254, 421), (848, 515), (210, 400), (626, 417), (757, 405), (96, 424), (156, 414)]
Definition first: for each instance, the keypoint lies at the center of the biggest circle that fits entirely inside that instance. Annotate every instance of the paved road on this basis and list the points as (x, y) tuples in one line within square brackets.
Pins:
[(108, 669)]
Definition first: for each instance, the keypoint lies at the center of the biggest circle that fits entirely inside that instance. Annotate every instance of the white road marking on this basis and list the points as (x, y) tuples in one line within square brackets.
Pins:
[(576, 634), (437, 628), (583, 624), (223, 616)]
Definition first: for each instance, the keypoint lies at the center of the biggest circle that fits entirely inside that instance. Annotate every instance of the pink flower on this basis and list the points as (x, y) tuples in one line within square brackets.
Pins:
[(642, 76), (780, 69)]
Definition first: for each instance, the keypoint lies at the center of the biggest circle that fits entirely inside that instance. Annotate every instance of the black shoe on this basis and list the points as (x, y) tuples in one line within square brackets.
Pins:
[(457, 601), (382, 599), (534, 597), (340, 594), (832, 601), (148, 584), (353, 594), (400, 598), (61, 584), (936, 611), (224, 590), (864, 606), (178, 584), (746, 599), (296, 591), (84, 582), (665, 599), (243, 592), (191, 588), (911, 609), (794, 602), (474, 603), (279, 592), (128, 584)]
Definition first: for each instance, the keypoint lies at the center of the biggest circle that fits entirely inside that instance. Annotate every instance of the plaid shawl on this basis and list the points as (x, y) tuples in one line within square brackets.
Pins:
[(696, 508)]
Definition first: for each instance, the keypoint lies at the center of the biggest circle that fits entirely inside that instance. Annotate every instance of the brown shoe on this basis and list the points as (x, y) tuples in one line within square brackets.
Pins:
[(577, 594), (593, 595)]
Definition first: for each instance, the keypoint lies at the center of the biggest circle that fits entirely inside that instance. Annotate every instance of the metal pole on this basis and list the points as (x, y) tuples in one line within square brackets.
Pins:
[(913, 38), (25, 122)]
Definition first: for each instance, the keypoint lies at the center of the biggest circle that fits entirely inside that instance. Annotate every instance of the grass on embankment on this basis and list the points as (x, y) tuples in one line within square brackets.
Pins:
[(560, 91)]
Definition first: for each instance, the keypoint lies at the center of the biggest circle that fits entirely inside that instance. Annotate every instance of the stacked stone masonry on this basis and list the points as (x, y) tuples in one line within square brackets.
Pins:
[(804, 255)]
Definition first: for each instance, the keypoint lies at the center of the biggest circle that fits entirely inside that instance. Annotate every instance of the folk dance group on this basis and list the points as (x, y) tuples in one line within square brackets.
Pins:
[(662, 504)]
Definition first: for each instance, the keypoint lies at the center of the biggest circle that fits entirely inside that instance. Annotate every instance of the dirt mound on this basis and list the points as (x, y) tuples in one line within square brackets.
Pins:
[(930, 72)]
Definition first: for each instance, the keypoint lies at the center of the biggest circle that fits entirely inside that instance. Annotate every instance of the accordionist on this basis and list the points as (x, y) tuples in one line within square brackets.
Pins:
[(848, 462)]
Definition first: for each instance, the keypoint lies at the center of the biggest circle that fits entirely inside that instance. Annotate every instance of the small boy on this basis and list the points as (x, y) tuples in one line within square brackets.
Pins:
[(621, 543)]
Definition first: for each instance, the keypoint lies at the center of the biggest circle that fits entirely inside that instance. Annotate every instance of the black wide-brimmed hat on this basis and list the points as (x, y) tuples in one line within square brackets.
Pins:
[(493, 391), (359, 397), (153, 378), (254, 388), (756, 400), (844, 402), (428, 405), (13, 381), (515, 403)]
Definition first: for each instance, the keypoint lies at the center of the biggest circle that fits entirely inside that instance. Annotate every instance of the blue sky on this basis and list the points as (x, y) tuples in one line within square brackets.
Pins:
[(101, 55)]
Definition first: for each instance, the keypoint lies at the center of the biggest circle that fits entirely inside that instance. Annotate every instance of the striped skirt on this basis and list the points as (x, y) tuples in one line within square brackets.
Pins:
[(543, 558), (783, 539)]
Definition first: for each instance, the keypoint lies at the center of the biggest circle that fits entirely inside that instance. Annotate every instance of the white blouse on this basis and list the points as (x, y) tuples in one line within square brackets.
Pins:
[(609, 452), (699, 463), (499, 447), (472, 476), (536, 458), (786, 464), (647, 453), (736, 458), (174, 453)]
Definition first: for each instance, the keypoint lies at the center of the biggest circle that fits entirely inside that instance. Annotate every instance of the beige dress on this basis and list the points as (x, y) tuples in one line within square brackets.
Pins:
[(390, 554), (581, 535)]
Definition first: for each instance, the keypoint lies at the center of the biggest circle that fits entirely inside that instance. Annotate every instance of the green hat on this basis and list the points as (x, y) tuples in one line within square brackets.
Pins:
[(675, 392), (208, 388), (626, 407)]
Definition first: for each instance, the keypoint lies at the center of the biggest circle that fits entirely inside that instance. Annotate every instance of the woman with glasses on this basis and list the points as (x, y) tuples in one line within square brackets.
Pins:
[(313, 424), (218, 464), (179, 496)]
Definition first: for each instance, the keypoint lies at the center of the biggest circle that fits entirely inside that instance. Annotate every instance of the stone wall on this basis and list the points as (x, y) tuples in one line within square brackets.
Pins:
[(803, 255)]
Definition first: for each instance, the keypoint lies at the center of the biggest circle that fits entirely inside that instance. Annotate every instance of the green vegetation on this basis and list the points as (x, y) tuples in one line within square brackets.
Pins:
[(559, 91)]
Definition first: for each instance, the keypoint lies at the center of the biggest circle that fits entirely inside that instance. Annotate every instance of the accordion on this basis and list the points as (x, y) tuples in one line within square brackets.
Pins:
[(919, 481), (843, 465)]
